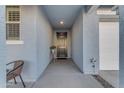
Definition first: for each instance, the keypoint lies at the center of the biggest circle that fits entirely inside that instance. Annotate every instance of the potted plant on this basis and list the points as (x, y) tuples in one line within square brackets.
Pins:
[(93, 61), (52, 48)]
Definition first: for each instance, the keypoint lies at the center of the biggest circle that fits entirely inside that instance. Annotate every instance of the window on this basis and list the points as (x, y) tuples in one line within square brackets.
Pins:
[(13, 23)]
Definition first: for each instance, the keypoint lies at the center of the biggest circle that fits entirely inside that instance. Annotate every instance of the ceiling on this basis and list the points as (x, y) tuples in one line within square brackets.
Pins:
[(65, 13)]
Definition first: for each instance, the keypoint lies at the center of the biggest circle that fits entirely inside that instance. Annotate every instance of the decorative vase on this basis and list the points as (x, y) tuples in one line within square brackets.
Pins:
[(53, 54)]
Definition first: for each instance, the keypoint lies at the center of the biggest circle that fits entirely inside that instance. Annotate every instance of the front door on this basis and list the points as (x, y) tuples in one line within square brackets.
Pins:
[(61, 44)]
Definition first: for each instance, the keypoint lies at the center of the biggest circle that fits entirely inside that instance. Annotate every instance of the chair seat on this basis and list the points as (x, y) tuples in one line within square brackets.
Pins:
[(11, 76)]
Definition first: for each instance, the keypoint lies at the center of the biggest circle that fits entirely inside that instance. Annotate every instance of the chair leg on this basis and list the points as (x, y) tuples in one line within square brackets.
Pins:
[(15, 80), (22, 81)]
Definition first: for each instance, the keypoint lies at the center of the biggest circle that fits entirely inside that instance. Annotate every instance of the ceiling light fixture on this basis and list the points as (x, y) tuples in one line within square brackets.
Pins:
[(61, 22)]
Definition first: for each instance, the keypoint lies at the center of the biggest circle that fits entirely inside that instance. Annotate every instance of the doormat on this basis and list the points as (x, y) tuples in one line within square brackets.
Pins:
[(61, 58)]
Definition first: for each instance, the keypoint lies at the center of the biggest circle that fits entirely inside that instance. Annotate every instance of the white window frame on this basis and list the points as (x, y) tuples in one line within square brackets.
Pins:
[(19, 22)]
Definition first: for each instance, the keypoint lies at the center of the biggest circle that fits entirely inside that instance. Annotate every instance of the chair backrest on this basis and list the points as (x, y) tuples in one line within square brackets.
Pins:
[(16, 71), (18, 65)]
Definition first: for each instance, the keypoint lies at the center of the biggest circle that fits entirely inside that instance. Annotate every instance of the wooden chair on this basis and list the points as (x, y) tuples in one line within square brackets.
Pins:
[(16, 71)]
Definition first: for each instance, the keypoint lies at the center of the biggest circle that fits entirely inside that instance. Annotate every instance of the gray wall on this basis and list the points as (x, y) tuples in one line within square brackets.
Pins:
[(35, 32), (44, 40), (77, 41), (26, 51), (2, 48), (121, 46), (85, 42), (90, 42)]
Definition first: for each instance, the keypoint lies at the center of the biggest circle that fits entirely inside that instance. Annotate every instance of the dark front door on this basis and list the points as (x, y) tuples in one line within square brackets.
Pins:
[(61, 44)]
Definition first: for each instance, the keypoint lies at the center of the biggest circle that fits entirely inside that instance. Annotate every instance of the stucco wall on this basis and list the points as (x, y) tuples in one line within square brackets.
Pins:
[(36, 34), (85, 42), (44, 40), (2, 48), (77, 41), (90, 42), (26, 51), (121, 46)]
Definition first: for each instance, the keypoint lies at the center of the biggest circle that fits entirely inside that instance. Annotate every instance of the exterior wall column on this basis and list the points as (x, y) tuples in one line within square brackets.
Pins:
[(121, 46), (2, 47), (90, 42)]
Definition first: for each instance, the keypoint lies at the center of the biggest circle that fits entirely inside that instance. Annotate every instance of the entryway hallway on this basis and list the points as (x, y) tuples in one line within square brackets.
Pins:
[(65, 74), (44, 32)]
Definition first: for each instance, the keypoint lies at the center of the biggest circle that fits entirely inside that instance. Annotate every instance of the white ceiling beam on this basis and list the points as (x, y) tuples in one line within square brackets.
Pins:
[(92, 8), (114, 7)]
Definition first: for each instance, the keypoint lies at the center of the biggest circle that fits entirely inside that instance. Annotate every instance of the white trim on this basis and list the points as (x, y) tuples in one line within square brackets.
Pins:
[(20, 29), (13, 22), (14, 42), (114, 7), (92, 8)]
